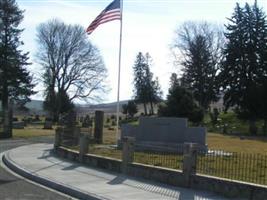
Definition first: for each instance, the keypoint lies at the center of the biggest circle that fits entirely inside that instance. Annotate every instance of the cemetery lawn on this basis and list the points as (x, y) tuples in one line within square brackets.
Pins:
[(245, 144), (32, 131), (230, 143), (242, 144)]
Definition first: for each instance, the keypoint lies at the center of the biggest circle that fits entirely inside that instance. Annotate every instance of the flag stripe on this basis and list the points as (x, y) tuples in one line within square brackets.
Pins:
[(91, 28), (106, 16), (110, 13)]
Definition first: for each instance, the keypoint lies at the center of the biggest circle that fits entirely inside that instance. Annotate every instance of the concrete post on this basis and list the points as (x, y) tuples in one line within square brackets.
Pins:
[(127, 152), (76, 135), (84, 146), (99, 122), (189, 162), (57, 142)]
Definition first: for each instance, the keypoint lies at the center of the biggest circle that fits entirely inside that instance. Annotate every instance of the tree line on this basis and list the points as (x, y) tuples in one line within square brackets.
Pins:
[(231, 63)]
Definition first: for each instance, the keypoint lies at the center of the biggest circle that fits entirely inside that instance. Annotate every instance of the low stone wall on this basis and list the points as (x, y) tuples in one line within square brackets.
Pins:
[(159, 174), (229, 188), (225, 187), (90, 159)]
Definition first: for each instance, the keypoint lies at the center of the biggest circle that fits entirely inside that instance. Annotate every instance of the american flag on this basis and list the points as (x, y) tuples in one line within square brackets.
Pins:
[(110, 13)]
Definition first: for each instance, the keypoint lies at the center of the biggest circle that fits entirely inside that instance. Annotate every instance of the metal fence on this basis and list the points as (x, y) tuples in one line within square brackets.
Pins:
[(159, 158), (236, 166), (105, 151), (68, 138)]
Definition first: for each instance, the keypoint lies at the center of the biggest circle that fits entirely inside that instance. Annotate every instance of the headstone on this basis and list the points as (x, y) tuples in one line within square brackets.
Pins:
[(81, 119), (87, 122), (68, 120), (18, 125), (164, 129), (164, 134), (48, 124), (71, 119), (99, 122)]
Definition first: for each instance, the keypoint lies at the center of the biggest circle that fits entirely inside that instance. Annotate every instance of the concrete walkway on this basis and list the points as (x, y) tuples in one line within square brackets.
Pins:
[(38, 163)]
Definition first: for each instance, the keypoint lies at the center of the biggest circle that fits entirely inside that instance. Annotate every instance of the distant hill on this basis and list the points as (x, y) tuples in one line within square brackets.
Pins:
[(106, 107), (35, 105)]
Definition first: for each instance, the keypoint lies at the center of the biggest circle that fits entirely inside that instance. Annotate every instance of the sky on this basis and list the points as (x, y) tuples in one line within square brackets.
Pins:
[(148, 26)]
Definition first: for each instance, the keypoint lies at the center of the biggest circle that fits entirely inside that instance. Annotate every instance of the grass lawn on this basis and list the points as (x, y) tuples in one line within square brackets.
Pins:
[(244, 144), (32, 131)]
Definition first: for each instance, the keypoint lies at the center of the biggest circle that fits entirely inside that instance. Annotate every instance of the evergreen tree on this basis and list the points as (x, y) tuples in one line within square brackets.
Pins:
[(180, 103), (244, 71), (129, 108), (147, 90), (200, 46), (15, 81), (60, 102), (132, 108), (125, 110), (174, 81), (199, 73), (139, 80)]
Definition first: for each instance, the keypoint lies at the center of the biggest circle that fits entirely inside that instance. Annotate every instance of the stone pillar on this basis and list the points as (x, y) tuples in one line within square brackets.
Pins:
[(57, 142), (189, 162), (76, 132), (84, 146), (99, 120), (127, 152)]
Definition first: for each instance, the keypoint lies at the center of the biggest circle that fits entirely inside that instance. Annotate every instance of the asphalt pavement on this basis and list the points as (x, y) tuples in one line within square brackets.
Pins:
[(16, 188)]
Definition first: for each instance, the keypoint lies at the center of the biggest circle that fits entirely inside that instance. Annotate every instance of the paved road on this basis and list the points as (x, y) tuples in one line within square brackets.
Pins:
[(13, 188)]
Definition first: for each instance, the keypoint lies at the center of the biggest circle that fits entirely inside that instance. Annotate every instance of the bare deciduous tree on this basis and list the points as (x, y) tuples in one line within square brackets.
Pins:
[(71, 64)]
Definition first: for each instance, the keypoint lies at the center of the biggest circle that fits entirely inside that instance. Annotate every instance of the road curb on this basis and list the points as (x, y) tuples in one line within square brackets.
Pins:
[(48, 183)]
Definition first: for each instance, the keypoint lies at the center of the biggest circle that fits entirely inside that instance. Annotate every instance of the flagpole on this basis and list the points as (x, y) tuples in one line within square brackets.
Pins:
[(119, 73)]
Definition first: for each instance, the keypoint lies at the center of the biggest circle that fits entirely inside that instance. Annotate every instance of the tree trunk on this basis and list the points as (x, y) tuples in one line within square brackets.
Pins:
[(152, 108), (145, 109), (7, 112), (264, 127), (252, 127), (5, 109)]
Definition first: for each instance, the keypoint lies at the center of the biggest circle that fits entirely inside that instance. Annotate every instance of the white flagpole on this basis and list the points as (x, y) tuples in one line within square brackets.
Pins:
[(119, 72)]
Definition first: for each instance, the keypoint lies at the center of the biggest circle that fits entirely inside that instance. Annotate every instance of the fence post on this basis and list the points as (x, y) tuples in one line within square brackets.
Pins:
[(76, 135), (127, 152), (189, 162), (58, 138), (84, 146)]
